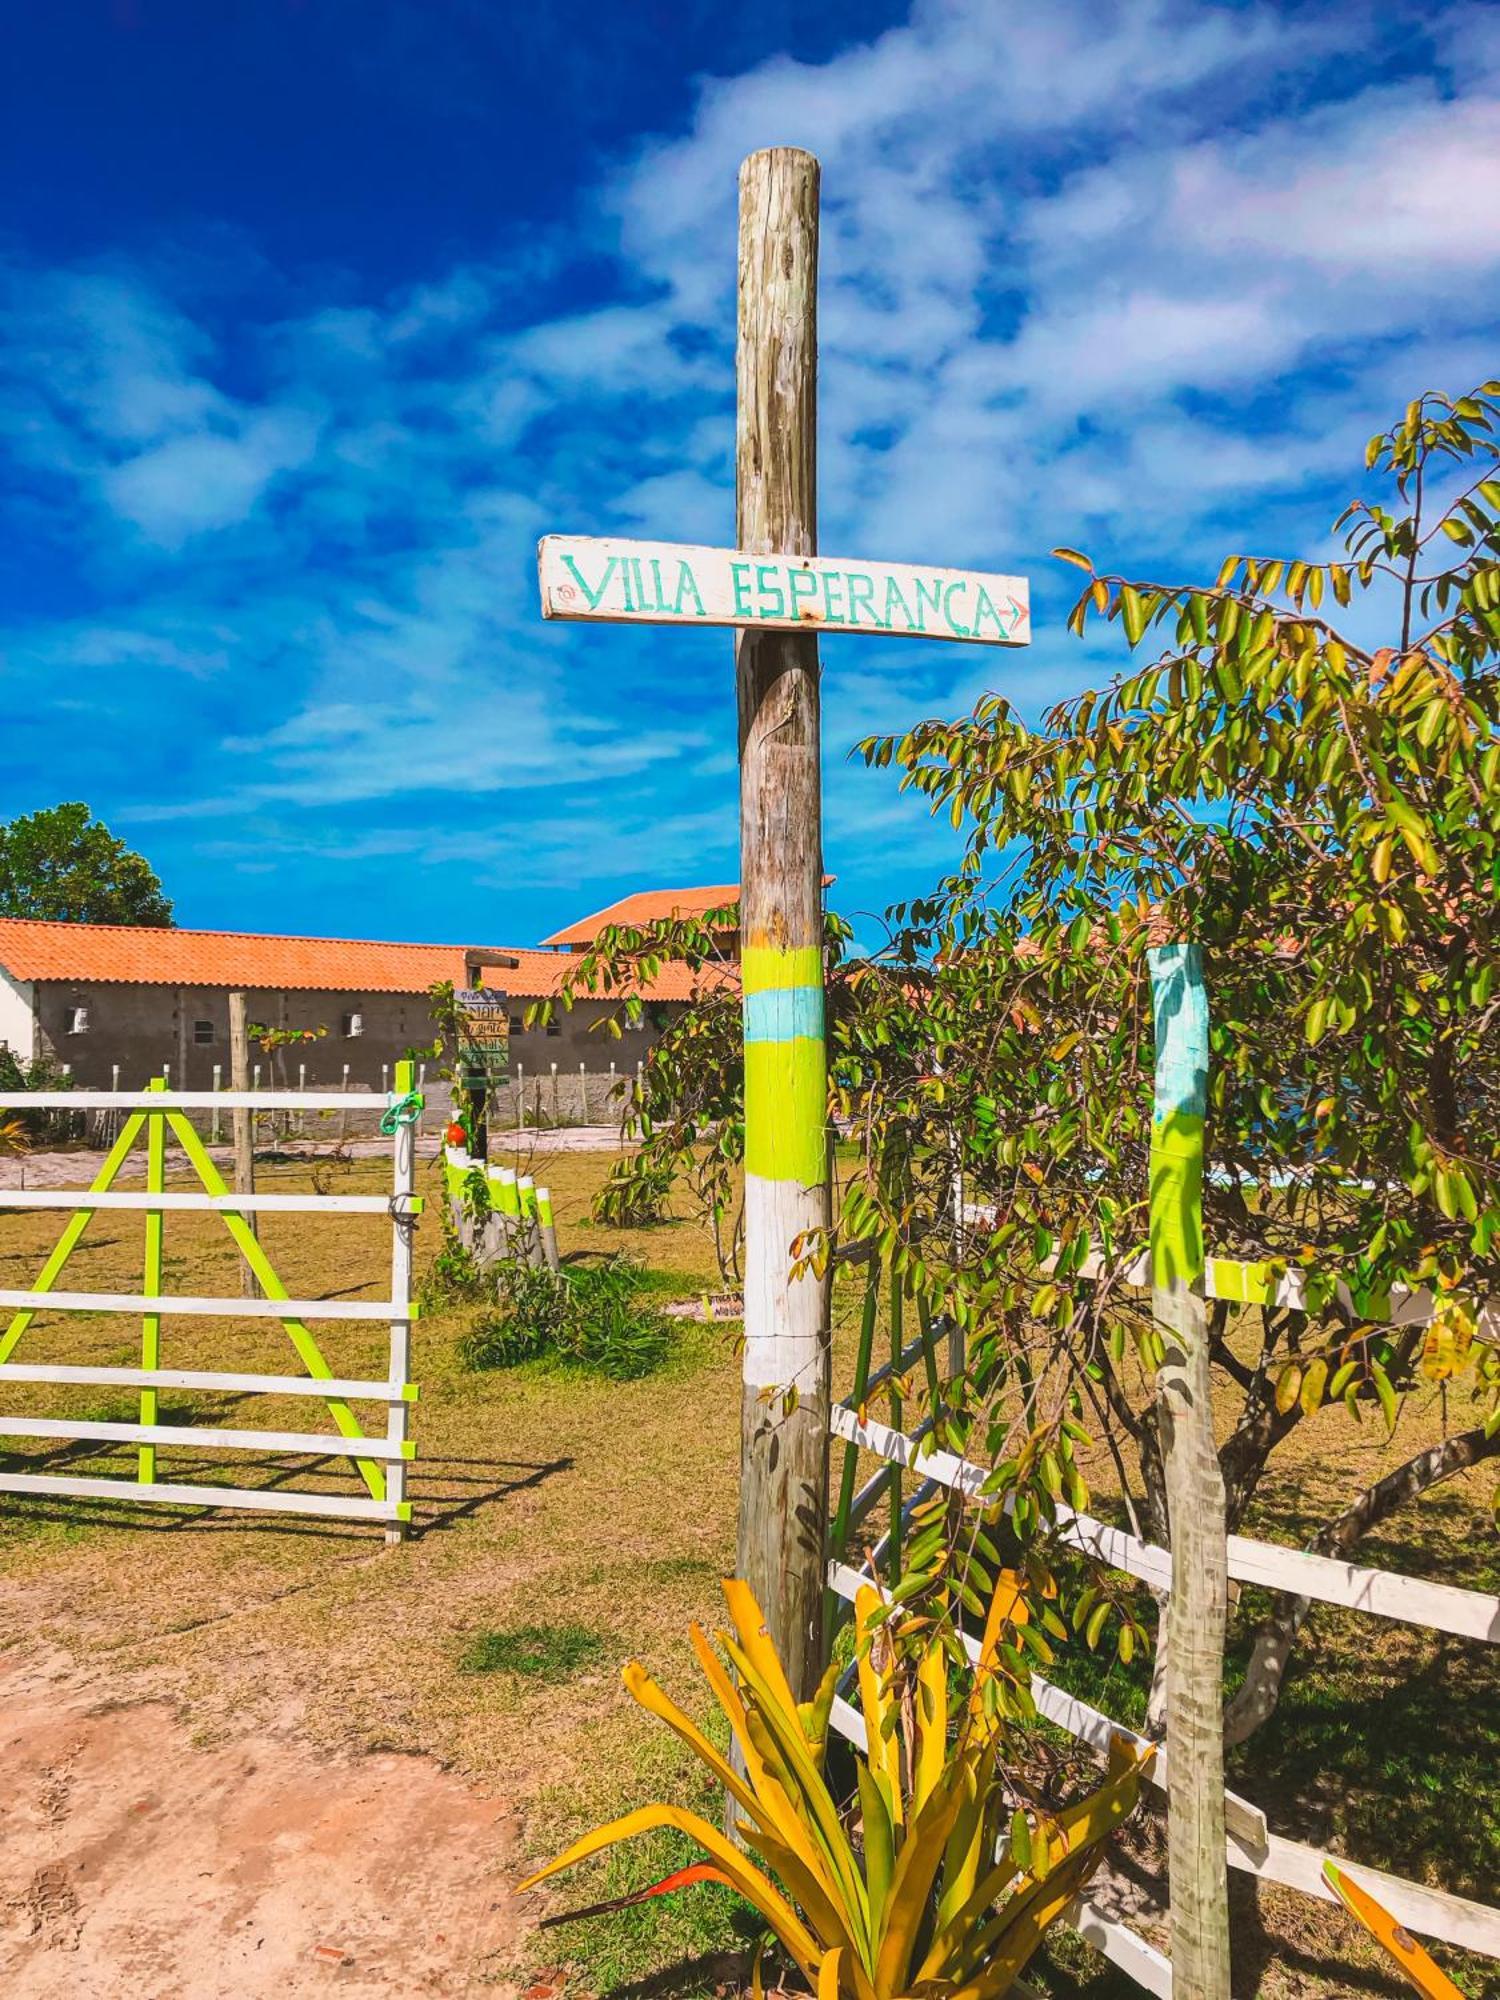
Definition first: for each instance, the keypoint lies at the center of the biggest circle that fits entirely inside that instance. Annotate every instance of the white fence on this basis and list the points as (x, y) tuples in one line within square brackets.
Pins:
[(1250, 1847), (551, 1095), (156, 1116)]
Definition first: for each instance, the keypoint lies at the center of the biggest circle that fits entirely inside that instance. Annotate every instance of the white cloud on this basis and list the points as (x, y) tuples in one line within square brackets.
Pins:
[(1139, 276), (189, 485)]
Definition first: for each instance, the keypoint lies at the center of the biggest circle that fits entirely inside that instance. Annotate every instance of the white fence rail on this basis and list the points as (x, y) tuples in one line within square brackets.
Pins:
[(1251, 1847)]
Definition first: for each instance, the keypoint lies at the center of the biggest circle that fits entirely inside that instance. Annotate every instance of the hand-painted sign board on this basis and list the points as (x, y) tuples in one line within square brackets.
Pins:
[(483, 1035), (670, 583)]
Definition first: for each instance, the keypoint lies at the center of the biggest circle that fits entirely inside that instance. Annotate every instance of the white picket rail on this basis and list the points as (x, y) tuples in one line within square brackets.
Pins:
[(1250, 1846)]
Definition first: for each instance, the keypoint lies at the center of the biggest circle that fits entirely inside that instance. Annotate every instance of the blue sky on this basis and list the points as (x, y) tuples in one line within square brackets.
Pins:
[(315, 314)]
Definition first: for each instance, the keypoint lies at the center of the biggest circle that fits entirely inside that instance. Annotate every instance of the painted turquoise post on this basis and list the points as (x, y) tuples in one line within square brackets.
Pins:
[(1180, 1006), (1193, 1623)]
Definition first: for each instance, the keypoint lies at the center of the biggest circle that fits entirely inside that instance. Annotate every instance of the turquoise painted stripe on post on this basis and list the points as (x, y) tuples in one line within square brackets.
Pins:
[(784, 1014), (1179, 1002)]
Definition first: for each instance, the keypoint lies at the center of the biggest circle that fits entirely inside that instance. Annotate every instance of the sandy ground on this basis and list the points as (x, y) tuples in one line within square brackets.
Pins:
[(133, 1859)]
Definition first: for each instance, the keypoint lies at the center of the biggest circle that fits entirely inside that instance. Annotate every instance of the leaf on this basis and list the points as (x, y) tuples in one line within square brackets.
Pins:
[(1072, 556), (1312, 1386)]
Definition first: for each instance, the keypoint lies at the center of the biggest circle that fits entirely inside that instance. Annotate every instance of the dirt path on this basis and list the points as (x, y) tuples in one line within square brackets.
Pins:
[(134, 1860)]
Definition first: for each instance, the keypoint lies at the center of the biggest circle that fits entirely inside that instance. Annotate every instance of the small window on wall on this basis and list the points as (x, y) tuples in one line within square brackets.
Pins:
[(517, 1024), (78, 1018), (352, 1024), (554, 1027), (203, 1034)]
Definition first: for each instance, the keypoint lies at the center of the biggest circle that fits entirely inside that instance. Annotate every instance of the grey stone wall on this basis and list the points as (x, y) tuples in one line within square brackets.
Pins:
[(139, 1028)]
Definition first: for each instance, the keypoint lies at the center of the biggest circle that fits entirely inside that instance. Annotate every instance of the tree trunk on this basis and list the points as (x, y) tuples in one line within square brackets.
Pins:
[(1258, 1696)]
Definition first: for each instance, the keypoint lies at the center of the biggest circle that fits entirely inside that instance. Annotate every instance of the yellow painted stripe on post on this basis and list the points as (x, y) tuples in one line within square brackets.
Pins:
[(1176, 1208), (77, 1223), (764, 966), (786, 1111), (1241, 1283)]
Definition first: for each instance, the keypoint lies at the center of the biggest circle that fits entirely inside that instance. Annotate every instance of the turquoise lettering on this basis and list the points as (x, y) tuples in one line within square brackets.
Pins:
[(832, 583), (985, 607), (804, 584), (594, 596), (895, 602), (763, 571), (929, 596), (740, 573), (625, 580), (862, 593), (661, 602), (640, 583), (962, 631), (686, 582)]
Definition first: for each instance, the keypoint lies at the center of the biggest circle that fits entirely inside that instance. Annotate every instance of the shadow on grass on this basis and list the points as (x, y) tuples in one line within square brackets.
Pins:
[(450, 1490)]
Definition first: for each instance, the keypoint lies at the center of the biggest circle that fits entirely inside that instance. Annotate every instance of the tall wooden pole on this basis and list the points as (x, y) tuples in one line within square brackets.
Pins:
[(1196, 1613), (244, 1128), (784, 1417)]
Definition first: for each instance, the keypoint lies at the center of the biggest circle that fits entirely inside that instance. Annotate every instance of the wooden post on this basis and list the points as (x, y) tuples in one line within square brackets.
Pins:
[(783, 1515), (1197, 1611), (156, 1180), (403, 1221), (243, 1124)]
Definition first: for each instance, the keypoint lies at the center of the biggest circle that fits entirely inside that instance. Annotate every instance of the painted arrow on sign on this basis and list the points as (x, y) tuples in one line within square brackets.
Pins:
[(670, 583)]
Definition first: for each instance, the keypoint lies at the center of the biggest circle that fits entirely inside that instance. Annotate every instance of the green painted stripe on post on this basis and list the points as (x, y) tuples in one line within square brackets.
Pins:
[(67, 1242), (786, 1079), (764, 967), (786, 1111), (1180, 1010)]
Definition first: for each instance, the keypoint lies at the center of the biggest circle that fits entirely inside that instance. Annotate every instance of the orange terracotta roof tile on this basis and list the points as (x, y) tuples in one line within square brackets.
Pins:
[(124, 954), (648, 906)]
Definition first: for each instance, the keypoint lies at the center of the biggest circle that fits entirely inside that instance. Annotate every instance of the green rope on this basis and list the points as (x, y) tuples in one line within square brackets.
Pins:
[(402, 1111)]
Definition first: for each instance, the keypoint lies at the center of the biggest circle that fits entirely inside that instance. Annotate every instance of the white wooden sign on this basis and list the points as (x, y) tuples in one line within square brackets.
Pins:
[(670, 583)]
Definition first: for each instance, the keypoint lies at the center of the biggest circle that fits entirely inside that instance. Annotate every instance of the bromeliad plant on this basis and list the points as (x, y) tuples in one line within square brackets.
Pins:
[(945, 1889)]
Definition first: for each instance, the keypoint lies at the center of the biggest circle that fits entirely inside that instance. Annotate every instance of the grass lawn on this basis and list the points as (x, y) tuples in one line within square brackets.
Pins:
[(566, 1523)]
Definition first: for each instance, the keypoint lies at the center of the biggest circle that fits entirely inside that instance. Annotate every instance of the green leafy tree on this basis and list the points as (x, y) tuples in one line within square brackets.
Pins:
[(63, 865), (1305, 778)]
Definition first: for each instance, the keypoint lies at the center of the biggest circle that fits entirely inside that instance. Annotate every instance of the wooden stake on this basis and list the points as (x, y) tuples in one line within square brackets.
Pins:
[(1197, 1609), (403, 1222), (784, 1419), (244, 1125)]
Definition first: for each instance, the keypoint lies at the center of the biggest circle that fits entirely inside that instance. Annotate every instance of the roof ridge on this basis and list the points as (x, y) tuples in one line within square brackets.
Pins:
[(269, 937)]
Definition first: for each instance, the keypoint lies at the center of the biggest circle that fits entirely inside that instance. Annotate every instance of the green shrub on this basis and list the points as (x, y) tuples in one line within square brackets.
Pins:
[(38, 1128), (598, 1317)]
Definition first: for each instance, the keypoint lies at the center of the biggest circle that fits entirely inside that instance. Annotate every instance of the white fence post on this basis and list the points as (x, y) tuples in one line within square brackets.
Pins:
[(216, 1129)]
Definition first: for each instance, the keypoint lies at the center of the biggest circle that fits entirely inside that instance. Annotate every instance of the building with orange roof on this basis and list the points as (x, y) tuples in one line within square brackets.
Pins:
[(115, 999)]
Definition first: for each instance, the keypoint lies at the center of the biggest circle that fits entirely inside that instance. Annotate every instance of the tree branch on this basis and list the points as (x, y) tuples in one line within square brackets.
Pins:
[(1259, 1694)]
